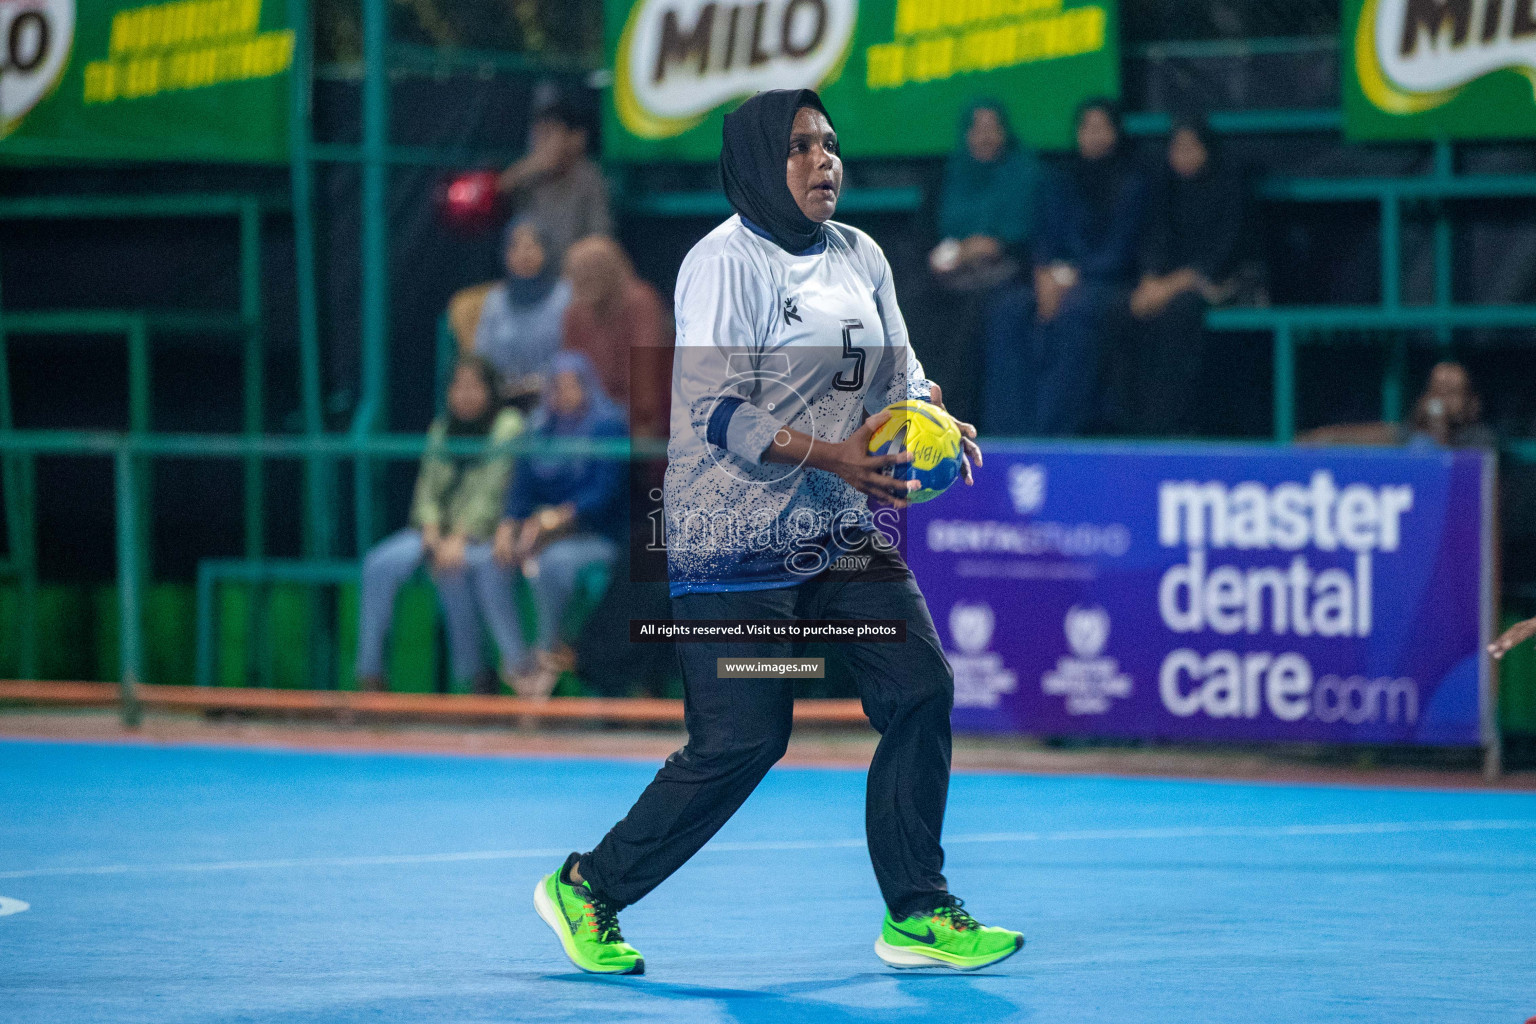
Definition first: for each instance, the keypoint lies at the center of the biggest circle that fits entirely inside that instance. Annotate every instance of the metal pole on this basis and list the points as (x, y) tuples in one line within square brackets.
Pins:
[(1392, 380), (206, 624), (255, 373), (129, 637), (1285, 384), (16, 471), (139, 425), (1391, 243), (318, 542), (250, 314), (1445, 168), (302, 181), (375, 245)]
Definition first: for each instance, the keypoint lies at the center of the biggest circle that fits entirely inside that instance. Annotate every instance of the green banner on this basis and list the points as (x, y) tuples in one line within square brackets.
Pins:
[(1426, 69), (103, 79), (895, 74)]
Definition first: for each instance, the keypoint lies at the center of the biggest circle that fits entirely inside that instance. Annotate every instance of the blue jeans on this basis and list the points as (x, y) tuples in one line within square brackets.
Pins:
[(1007, 407), (555, 579), (1043, 378), (480, 588)]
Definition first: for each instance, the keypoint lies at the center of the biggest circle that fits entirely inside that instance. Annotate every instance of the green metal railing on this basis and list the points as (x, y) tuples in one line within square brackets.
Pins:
[(1293, 326), (136, 328), (365, 444), (130, 453)]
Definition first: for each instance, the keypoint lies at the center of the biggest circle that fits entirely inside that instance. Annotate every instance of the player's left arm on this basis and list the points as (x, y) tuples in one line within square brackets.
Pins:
[(908, 381)]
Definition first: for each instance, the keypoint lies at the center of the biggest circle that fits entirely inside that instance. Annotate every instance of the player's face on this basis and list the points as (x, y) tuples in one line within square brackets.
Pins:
[(814, 172), (1096, 134)]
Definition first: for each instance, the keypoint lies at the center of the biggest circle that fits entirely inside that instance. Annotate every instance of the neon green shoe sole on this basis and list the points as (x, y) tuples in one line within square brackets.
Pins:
[(562, 907), (906, 958), (945, 936)]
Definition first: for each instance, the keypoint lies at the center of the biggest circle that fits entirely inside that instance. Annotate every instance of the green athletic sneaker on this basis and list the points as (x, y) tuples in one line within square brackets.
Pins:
[(587, 924), (945, 936)]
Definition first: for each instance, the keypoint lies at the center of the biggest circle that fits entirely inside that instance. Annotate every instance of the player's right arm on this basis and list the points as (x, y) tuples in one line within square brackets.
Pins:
[(848, 459), (720, 318)]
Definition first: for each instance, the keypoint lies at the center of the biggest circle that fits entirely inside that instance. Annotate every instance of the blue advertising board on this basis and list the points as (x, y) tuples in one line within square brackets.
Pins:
[(1216, 592)]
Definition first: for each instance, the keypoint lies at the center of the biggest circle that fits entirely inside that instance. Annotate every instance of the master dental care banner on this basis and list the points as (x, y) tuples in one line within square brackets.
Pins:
[(895, 74), (108, 79), (1215, 593)]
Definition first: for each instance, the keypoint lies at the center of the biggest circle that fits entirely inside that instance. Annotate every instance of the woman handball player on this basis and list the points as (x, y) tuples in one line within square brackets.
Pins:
[(790, 343)]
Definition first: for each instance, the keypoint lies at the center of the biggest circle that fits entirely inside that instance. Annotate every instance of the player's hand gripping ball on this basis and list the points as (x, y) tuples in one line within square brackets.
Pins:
[(933, 438)]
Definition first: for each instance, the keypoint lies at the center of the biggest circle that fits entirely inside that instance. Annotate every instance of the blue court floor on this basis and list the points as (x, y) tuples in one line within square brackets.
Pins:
[(212, 885)]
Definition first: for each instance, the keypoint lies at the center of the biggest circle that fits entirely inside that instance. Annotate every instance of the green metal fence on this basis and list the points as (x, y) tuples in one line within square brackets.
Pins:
[(366, 445)]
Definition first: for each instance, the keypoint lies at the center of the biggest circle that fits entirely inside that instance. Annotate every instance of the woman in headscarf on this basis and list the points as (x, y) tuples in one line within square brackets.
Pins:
[(520, 321), (790, 346), (454, 513), (1188, 254), (563, 512), (619, 322), (1085, 255), (986, 218), (987, 206)]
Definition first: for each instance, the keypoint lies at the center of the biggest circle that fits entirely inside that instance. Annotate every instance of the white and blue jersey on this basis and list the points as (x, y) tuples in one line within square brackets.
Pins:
[(767, 339)]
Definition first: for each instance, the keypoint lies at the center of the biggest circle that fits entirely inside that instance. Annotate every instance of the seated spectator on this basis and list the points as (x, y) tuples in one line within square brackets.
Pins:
[(453, 518), (1188, 255), (1448, 414), (619, 323), (1084, 257), (987, 207), (563, 512), (986, 216), (557, 182), (518, 329)]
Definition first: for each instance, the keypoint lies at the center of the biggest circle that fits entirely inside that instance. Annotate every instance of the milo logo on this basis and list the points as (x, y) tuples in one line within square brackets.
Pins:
[(679, 59), (35, 37), (1415, 55)]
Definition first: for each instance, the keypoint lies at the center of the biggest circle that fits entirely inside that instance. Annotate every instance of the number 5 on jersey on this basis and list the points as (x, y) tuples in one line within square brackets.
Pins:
[(851, 351)]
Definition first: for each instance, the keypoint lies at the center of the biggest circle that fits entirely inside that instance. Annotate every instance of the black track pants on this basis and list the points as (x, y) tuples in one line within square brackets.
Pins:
[(738, 728)]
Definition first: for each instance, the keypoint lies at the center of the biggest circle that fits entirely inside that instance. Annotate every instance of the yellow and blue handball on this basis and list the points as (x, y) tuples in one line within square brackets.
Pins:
[(933, 438)]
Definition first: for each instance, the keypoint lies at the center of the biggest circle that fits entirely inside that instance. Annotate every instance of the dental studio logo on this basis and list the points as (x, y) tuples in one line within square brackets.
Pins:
[(35, 38), (1026, 488), (1413, 56), (679, 59)]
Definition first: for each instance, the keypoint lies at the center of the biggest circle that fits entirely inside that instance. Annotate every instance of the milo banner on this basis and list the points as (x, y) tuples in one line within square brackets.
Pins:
[(1423, 69), (105, 79), (895, 74), (1216, 593)]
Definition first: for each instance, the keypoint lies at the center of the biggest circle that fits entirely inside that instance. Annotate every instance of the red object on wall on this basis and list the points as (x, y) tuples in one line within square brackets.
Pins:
[(469, 201)]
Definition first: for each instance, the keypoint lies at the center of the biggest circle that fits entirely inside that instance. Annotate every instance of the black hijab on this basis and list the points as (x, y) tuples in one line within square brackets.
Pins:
[(523, 292), (1101, 181), (1195, 222), (479, 427), (752, 157)]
